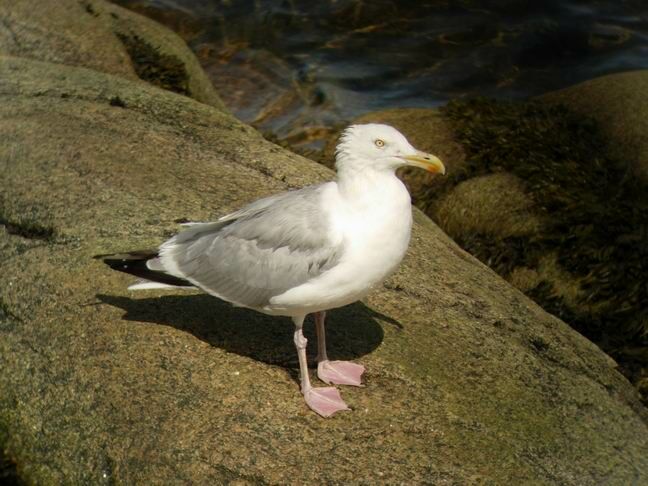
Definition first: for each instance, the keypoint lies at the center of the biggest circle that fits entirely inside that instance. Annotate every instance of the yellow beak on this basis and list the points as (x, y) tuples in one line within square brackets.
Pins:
[(425, 161)]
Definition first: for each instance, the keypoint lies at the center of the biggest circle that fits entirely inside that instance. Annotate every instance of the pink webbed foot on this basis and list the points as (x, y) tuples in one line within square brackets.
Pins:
[(325, 401), (340, 372)]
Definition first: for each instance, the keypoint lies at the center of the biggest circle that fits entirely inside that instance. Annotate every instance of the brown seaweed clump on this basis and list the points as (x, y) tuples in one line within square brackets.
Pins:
[(152, 66), (594, 218)]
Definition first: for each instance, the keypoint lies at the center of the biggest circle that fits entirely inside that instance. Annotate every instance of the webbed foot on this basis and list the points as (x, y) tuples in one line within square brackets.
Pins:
[(325, 401), (340, 372)]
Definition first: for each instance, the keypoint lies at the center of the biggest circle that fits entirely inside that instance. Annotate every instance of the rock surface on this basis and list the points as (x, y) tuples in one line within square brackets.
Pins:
[(99, 385), (103, 36), (468, 381)]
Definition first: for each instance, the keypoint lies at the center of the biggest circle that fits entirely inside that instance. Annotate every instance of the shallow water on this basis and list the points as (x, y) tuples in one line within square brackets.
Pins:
[(297, 68)]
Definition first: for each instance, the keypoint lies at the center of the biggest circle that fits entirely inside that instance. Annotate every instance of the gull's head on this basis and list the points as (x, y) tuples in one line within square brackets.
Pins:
[(382, 148)]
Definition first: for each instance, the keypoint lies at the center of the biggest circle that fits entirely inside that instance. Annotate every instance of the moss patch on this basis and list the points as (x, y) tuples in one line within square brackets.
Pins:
[(6, 317), (151, 65), (596, 215)]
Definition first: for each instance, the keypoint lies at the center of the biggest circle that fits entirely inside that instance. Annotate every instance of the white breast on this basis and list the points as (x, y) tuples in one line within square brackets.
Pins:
[(377, 234), (375, 229)]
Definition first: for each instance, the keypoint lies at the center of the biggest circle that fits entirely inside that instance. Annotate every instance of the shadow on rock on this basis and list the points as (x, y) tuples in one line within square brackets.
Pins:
[(351, 331)]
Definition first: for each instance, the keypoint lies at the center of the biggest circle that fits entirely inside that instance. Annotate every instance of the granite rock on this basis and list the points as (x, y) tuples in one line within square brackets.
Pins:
[(468, 381)]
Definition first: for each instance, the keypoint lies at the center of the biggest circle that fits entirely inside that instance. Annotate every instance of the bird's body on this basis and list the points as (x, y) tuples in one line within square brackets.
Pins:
[(372, 235), (304, 251)]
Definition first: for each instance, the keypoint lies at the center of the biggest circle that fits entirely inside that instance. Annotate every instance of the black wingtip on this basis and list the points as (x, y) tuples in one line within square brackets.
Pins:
[(134, 263), (101, 257)]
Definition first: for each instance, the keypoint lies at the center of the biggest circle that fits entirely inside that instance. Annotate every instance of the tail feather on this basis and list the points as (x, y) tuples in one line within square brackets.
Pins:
[(137, 263), (142, 284)]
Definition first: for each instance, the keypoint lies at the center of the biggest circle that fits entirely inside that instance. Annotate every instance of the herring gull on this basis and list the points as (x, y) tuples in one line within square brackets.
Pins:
[(304, 251)]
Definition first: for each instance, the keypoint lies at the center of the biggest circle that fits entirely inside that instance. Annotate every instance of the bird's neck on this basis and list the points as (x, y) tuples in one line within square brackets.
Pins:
[(356, 181)]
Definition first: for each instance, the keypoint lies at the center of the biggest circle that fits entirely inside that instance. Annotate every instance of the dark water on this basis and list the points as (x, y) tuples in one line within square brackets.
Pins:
[(295, 68)]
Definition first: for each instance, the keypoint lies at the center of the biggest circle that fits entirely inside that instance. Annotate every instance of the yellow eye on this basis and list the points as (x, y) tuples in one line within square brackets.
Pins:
[(380, 143)]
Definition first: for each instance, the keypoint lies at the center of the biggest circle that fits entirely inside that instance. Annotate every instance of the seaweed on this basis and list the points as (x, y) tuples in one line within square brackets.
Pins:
[(596, 213), (117, 101), (501, 254), (89, 8), (151, 65), (8, 471)]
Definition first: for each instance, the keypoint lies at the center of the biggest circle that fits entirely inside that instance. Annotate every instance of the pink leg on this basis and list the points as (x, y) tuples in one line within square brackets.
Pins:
[(338, 372), (324, 401)]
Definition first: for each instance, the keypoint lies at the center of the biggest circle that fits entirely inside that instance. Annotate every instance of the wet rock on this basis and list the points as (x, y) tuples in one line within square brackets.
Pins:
[(102, 36), (468, 381)]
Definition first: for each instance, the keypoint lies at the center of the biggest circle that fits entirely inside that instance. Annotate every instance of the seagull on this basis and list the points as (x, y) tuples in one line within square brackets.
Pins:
[(301, 252)]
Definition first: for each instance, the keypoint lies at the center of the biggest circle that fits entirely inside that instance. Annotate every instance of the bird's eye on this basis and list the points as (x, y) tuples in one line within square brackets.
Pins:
[(380, 143)]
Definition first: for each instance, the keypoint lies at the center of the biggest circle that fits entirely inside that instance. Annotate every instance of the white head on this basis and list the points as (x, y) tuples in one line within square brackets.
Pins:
[(381, 148)]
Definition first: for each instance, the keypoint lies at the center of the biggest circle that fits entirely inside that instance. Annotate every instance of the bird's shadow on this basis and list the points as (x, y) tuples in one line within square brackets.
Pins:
[(351, 331)]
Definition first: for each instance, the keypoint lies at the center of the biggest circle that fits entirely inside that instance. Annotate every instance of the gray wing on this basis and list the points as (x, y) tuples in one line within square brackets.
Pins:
[(263, 250)]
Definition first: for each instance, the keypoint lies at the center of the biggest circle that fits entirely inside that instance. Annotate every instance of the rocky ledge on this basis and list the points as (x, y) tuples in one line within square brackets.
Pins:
[(468, 380)]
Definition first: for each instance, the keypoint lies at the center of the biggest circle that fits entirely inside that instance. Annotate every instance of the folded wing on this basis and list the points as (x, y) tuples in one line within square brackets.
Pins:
[(261, 251)]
